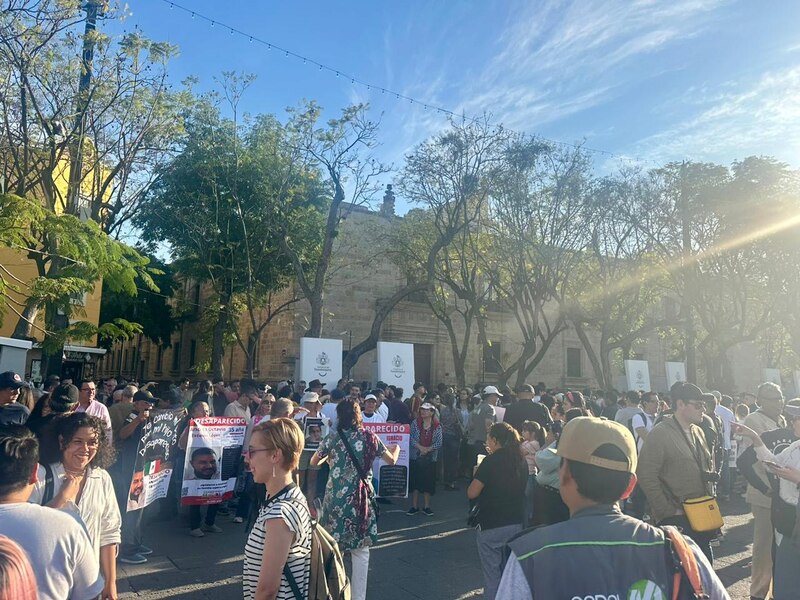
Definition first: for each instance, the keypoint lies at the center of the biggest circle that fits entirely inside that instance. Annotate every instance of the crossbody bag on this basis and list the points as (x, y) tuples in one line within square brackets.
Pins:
[(361, 473)]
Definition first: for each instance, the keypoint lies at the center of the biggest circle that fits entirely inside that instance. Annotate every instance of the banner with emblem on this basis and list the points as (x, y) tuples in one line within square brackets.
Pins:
[(396, 365), (321, 359), (676, 371), (772, 375), (637, 373)]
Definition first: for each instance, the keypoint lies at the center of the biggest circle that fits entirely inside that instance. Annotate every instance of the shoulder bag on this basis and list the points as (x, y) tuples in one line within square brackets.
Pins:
[(361, 473)]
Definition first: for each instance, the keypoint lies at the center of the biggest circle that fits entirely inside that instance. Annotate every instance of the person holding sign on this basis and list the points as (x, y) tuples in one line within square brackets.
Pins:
[(348, 512), (79, 484), (426, 440)]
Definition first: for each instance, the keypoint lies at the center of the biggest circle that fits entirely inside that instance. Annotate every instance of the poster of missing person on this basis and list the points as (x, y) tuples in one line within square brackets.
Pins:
[(154, 459), (314, 431), (391, 481), (212, 459)]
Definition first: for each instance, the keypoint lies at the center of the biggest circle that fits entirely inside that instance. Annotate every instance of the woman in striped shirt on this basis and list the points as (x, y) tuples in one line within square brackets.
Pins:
[(281, 536)]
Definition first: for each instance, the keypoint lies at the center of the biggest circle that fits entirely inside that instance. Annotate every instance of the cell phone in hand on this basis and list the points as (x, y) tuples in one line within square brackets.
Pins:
[(771, 464)]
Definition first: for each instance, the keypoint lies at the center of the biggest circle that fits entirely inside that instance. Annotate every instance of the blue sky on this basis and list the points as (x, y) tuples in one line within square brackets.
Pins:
[(712, 80)]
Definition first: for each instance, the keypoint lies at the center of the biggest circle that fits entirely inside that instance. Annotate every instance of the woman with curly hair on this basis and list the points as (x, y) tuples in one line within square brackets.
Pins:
[(79, 483), (347, 512)]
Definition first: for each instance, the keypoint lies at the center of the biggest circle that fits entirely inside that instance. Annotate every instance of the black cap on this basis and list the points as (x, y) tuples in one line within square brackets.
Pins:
[(688, 392), (144, 395), (314, 383), (525, 387), (63, 399), (9, 379), (337, 394)]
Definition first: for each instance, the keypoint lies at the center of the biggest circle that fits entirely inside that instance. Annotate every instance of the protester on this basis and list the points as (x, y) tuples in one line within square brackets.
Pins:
[(398, 410), (239, 406), (307, 473), (370, 413), (481, 419), (452, 432), (533, 437), (498, 487), (598, 548), (675, 464), (11, 411), (766, 417), (281, 537), (426, 440), (416, 400), (42, 407), (56, 543), (347, 513), (87, 404), (132, 550), (119, 411), (329, 410), (726, 417), (17, 581), (82, 486), (62, 402), (785, 465), (526, 409)]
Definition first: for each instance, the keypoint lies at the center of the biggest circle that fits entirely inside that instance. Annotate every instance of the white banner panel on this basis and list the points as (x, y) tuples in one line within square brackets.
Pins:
[(321, 359), (796, 383), (773, 375), (637, 373), (396, 365), (676, 371)]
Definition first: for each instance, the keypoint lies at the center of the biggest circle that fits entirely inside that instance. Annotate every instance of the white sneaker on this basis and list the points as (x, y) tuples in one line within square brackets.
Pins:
[(197, 532), (238, 520), (212, 528)]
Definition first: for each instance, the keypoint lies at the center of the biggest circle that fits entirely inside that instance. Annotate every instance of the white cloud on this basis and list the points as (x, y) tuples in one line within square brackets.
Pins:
[(752, 118)]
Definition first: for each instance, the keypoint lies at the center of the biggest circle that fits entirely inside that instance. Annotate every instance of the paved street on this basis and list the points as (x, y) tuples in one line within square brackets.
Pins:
[(418, 557)]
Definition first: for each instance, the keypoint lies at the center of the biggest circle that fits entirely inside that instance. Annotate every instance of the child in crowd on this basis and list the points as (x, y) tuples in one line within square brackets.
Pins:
[(533, 440)]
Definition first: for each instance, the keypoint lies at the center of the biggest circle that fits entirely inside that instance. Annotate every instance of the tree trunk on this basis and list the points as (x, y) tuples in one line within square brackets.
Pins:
[(315, 304), (597, 367), (24, 327), (218, 338), (253, 340)]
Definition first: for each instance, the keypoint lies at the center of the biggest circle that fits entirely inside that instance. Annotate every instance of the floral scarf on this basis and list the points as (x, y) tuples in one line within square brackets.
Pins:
[(361, 497)]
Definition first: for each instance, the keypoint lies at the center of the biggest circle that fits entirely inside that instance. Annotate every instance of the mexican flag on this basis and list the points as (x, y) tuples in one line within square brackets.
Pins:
[(153, 466)]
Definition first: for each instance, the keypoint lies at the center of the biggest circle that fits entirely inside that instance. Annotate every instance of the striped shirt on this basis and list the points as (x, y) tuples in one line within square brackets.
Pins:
[(297, 519)]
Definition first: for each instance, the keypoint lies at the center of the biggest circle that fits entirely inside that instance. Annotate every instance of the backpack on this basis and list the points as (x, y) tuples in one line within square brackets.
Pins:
[(327, 580), (629, 423), (684, 565)]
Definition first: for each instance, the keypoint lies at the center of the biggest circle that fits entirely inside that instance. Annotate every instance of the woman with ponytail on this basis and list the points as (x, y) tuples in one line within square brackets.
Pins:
[(499, 488)]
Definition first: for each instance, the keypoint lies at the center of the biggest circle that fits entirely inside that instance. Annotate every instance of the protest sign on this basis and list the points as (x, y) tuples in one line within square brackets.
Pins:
[(212, 459), (314, 430), (154, 459), (391, 481), (772, 375)]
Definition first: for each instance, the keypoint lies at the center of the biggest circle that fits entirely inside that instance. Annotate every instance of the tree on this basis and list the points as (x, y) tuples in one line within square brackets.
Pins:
[(217, 204), (444, 243), (617, 285), (536, 223), (341, 153), (81, 135)]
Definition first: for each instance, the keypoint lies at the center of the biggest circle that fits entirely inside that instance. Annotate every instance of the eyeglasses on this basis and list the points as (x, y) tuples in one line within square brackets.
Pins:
[(251, 450)]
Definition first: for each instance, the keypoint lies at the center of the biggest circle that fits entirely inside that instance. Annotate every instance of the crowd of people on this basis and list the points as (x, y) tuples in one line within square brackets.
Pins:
[(550, 476)]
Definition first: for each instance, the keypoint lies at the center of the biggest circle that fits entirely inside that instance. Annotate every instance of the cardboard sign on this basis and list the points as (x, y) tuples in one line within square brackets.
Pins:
[(315, 429), (320, 359), (396, 364), (676, 371), (212, 459), (391, 481), (154, 459), (637, 373)]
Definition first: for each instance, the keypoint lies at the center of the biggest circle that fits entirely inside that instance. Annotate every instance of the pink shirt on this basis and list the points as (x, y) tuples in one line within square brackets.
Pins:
[(529, 450)]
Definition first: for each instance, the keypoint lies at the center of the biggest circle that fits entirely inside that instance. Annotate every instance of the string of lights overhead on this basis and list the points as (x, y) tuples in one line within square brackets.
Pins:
[(354, 80)]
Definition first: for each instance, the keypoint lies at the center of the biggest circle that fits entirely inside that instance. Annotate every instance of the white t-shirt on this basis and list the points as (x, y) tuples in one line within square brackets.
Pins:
[(97, 509), (375, 418), (235, 409), (329, 412), (383, 411), (727, 417), (298, 521), (637, 422), (99, 410), (60, 552)]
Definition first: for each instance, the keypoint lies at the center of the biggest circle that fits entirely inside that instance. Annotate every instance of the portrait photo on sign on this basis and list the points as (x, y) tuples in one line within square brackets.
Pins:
[(136, 496), (314, 431), (203, 463)]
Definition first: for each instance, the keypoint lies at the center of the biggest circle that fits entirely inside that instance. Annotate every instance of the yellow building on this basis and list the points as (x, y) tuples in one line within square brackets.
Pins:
[(80, 357)]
